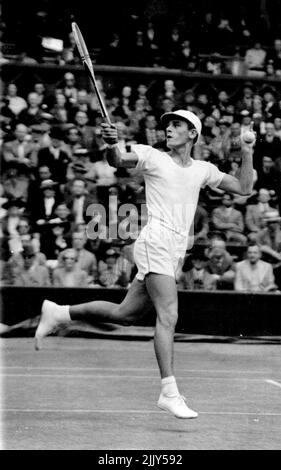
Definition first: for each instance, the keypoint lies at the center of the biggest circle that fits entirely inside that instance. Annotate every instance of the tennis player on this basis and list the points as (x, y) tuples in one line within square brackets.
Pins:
[(172, 181)]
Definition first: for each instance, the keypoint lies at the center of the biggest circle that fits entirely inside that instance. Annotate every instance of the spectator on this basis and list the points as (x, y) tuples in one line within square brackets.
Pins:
[(152, 45), (70, 54), (255, 58), (229, 220), (173, 49), (197, 278), (268, 145), (41, 91), (40, 134), (201, 225), (16, 181), (61, 108), (30, 273), (232, 143), (87, 132), (79, 201), (26, 240), (69, 274), (187, 56), (86, 260), (105, 178), (254, 218), (253, 274), (54, 238), (267, 175), (18, 149), (277, 126), (275, 56), (224, 36), (45, 207), (10, 222), (147, 135), (55, 157), (221, 267), (270, 108), (82, 156), (137, 115), (246, 121), (73, 140), (32, 114), (246, 101), (113, 270), (112, 52), (137, 52), (15, 103), (42, 173), (142, 93), (82, 104), (69, 88), (270, 236)]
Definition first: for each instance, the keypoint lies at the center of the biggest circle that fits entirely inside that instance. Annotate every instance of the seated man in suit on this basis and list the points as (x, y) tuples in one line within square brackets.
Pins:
[(79, 201), (253, 274), (86, 260), (44, 208), (229, 220), (254, 218)]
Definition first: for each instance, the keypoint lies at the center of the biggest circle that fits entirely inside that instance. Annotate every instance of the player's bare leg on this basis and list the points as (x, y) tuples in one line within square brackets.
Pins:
[(132, 307), (163, 293)]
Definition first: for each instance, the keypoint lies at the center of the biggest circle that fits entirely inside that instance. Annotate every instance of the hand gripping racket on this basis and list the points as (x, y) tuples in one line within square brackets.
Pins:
[(83, 51)]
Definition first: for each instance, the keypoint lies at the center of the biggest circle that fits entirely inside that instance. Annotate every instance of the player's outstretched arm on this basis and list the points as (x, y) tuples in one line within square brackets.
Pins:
[(243, 184), (114, 156)]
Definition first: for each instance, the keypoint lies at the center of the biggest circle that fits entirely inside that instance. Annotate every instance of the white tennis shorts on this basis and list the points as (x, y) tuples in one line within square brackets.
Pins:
[(159, 251)]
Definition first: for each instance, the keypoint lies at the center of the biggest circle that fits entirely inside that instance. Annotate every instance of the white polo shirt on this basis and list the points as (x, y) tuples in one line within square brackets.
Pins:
[(172, 191)]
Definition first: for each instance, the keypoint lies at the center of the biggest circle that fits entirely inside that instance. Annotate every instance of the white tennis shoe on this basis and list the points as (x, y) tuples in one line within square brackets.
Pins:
[(177, 406), (49, 321)]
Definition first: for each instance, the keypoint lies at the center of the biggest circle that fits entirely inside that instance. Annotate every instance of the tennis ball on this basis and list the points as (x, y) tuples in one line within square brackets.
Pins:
[(249, 137)]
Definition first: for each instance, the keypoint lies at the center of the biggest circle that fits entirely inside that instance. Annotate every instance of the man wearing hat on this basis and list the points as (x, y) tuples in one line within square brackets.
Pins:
[(9, 223), (44, 208), (82, 160), (55, 156), (196, 278), (270, 236), (30, 272), (173, 181)]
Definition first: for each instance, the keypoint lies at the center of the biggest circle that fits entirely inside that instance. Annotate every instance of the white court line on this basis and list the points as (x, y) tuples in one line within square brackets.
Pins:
[(50, 410), (273, 382), (118, 376), (133, 369)]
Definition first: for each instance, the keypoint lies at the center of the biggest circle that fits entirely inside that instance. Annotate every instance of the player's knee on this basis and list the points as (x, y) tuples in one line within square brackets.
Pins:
[(167, 318)]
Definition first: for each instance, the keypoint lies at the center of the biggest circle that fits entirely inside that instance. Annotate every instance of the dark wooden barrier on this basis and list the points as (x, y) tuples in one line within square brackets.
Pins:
[(25, 75), (210, 313)]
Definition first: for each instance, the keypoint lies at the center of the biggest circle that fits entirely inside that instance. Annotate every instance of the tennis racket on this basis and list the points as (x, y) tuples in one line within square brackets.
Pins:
[(83, 51)]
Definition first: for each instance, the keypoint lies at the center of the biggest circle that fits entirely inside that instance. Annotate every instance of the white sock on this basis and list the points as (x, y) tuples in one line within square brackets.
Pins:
[(169, 386), (64, 313)]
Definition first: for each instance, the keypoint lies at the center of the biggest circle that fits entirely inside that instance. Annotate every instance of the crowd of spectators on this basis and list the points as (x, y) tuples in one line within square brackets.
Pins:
[(55, 176), (201, 39)]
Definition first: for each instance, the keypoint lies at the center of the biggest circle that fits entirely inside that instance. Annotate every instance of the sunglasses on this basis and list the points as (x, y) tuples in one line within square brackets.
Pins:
[(69, 257)]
